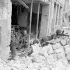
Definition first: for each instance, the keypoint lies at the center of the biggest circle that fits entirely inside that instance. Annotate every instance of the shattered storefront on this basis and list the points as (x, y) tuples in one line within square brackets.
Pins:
[(28, 22), (12, 15)]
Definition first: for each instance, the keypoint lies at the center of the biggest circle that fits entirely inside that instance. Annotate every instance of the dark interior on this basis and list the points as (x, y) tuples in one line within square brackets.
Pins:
[(34, 17), (14, 14)]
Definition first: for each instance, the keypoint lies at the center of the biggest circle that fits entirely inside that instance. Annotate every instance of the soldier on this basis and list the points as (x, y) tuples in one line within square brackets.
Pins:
[(12, 45)]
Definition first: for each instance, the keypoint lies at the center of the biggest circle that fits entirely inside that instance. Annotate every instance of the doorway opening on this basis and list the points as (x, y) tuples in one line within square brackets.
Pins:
[(20, 27)]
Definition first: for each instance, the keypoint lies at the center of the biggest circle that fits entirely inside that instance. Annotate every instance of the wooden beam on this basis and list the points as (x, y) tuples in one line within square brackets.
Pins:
[(21, 2), (30, 21), (38, 19)]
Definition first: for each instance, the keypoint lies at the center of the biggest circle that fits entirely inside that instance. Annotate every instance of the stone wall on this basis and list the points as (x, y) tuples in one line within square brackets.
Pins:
[(5, 23)]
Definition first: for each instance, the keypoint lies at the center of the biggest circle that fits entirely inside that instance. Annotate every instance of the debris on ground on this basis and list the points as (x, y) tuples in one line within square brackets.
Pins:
[(45, 55)]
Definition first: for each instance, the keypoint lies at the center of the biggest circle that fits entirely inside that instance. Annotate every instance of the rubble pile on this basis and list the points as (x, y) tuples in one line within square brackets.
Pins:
[(48, 55), (4, 66)]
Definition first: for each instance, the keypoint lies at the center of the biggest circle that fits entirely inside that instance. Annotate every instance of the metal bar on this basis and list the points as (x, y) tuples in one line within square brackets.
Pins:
[(37, 19), (30, 20)]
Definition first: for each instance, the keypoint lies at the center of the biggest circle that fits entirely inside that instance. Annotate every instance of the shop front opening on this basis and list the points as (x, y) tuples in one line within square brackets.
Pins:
[(24, 26)]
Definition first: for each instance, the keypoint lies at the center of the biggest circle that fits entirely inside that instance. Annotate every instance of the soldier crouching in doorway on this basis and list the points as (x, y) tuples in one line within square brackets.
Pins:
[(12, 45)]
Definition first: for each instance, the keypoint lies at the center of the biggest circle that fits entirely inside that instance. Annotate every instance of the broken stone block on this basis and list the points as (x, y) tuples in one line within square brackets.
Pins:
[(59, 65), (63, 42), (67, 39), (60, 50), (56, 68), (51, 59), (28, 51), (45, 68), (56, 46), (60, 55), (50, 50), (67, 50), (4, 65), (38, 58), (66, 46), (68, 56), (64, 61), (44, 44), (36, 48), (57, 40), (68, 67), (32, 40), (43, 51), (46, 50)]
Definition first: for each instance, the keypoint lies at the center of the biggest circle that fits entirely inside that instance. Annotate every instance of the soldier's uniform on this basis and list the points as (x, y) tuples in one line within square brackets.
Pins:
[(12, 44), (13, 47)]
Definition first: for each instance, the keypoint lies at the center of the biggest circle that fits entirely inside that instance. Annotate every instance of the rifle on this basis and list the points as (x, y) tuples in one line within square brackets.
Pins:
[(26, 37)]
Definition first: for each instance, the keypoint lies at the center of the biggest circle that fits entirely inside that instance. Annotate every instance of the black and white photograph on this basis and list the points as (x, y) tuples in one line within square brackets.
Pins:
[(34, 34)]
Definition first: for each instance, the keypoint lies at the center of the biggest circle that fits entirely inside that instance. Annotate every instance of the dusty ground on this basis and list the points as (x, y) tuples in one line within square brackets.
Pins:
[(48, 57)]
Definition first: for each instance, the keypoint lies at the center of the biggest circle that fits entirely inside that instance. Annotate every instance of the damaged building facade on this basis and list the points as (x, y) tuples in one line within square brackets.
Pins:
[(66, 16), (56, 15), (47, 16)]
